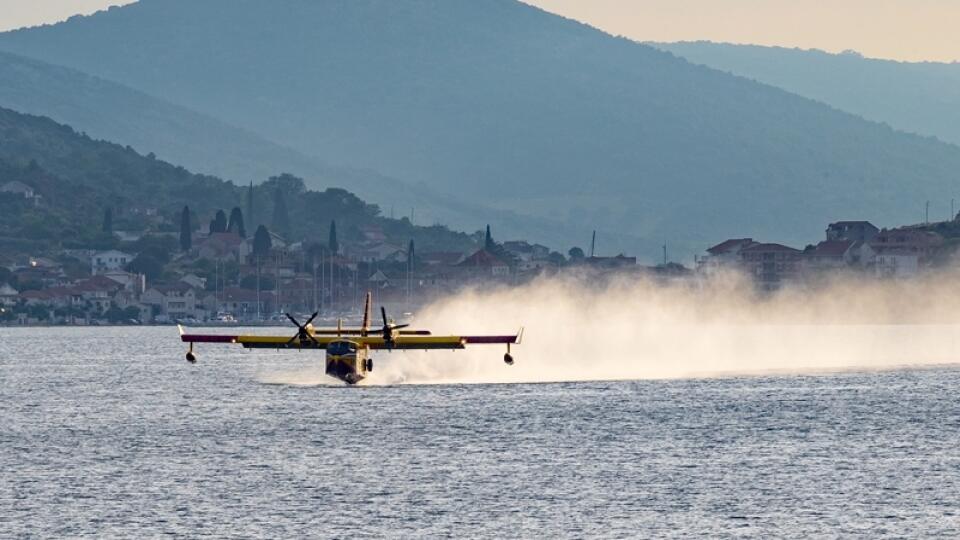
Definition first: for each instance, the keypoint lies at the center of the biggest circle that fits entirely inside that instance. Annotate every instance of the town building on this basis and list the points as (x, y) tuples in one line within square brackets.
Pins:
[(8, 295), (133, 283), (723, 256), (484, 263), (225, 246), (109, 261), (832, 255), (19, 188), (856, 231), (771, 265), (436, 259), (173, 302), (904, 252), (244, 304), (610, 263), (97, 292), (525, 251)]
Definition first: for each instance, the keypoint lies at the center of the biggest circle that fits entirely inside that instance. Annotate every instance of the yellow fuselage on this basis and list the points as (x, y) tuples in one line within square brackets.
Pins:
[(347, 361)]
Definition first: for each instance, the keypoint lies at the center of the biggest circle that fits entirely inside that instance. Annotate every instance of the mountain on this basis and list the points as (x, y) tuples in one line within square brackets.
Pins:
[(78, 178), (114, 112), (500, 104), (921, 98), (110, 111)]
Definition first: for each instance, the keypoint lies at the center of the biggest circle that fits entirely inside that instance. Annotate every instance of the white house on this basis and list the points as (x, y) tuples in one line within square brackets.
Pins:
[(177, 301), (19, 188), (8, 295), (195, 281), (109, 261), (903, 252), (135, 283), (725, 255)]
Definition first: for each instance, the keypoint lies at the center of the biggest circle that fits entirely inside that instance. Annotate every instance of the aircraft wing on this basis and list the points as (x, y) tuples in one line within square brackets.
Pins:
[(375, 342), (420, 342), (259, 342)]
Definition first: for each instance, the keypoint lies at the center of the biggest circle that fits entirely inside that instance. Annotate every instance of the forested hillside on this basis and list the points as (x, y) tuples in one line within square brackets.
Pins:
[(501, 104), (79, 178), (114, 112)]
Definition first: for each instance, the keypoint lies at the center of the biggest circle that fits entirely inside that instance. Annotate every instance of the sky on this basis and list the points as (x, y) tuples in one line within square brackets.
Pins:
[(20, 13), (910, 30)]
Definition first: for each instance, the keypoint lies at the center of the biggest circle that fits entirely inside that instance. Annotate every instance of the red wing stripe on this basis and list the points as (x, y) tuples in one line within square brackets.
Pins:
[(197, 338), (489, 339)]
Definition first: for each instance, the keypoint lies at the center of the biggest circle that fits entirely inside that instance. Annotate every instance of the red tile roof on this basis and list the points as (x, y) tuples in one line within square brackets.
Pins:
[(482, 258), (770, 247), (730, 245), (97, 283), (832, 248)]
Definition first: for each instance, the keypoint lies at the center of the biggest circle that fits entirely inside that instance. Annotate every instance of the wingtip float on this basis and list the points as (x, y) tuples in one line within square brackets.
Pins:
[(348, 350)]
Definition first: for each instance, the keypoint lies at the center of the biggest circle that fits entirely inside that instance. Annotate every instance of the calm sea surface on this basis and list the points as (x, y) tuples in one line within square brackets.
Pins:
[(108, 432)]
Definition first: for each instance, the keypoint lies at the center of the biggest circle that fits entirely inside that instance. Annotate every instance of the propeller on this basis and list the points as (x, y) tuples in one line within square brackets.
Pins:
[(302, 334), (389, 328)]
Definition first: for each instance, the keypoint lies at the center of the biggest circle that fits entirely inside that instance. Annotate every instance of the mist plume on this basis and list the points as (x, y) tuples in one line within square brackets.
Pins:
[(627, 328)]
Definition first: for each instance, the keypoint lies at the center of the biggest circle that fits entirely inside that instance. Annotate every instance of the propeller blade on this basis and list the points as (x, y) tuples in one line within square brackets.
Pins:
[(399, 326), (294, 321), (291, 340), (383, 311), (312, 317)]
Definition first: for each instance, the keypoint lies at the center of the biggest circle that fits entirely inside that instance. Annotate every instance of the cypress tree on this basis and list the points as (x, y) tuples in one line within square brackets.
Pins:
[(488, 240), (411, 254), (186, 236), (332, 243), (236, 222), (219, 223), (262, 242)]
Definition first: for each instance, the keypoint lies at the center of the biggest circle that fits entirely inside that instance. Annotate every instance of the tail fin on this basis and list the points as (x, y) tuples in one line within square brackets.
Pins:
[(367, 309)]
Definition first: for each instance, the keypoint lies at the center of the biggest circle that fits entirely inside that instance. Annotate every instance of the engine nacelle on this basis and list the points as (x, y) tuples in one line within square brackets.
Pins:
[(192, 358), (508, 359)]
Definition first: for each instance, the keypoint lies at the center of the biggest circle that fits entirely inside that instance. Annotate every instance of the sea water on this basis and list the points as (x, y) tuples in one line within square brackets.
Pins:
[(109, 432)]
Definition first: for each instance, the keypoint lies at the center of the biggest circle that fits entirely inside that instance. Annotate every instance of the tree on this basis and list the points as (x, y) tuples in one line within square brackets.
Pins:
[(236, 222), (251, 218), (556, 258), (186, 231), (108, 220), (262, 242), (219, 223), (281, 219), (148, 265), (488, 240), (411, 254), (332, 243), (575, 253), (161, 248)]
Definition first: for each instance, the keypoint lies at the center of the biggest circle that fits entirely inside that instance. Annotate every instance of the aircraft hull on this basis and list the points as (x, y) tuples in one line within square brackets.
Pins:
[(350, 367)]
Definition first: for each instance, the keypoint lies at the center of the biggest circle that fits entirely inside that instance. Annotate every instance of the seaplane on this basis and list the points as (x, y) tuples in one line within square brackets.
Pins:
[(348, 350)]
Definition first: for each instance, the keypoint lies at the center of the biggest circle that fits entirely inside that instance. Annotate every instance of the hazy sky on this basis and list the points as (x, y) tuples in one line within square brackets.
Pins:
[(20, 13), (898, 29)]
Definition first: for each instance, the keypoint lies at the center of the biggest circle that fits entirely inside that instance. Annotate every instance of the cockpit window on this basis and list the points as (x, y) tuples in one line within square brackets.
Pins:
[(339, 348)]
